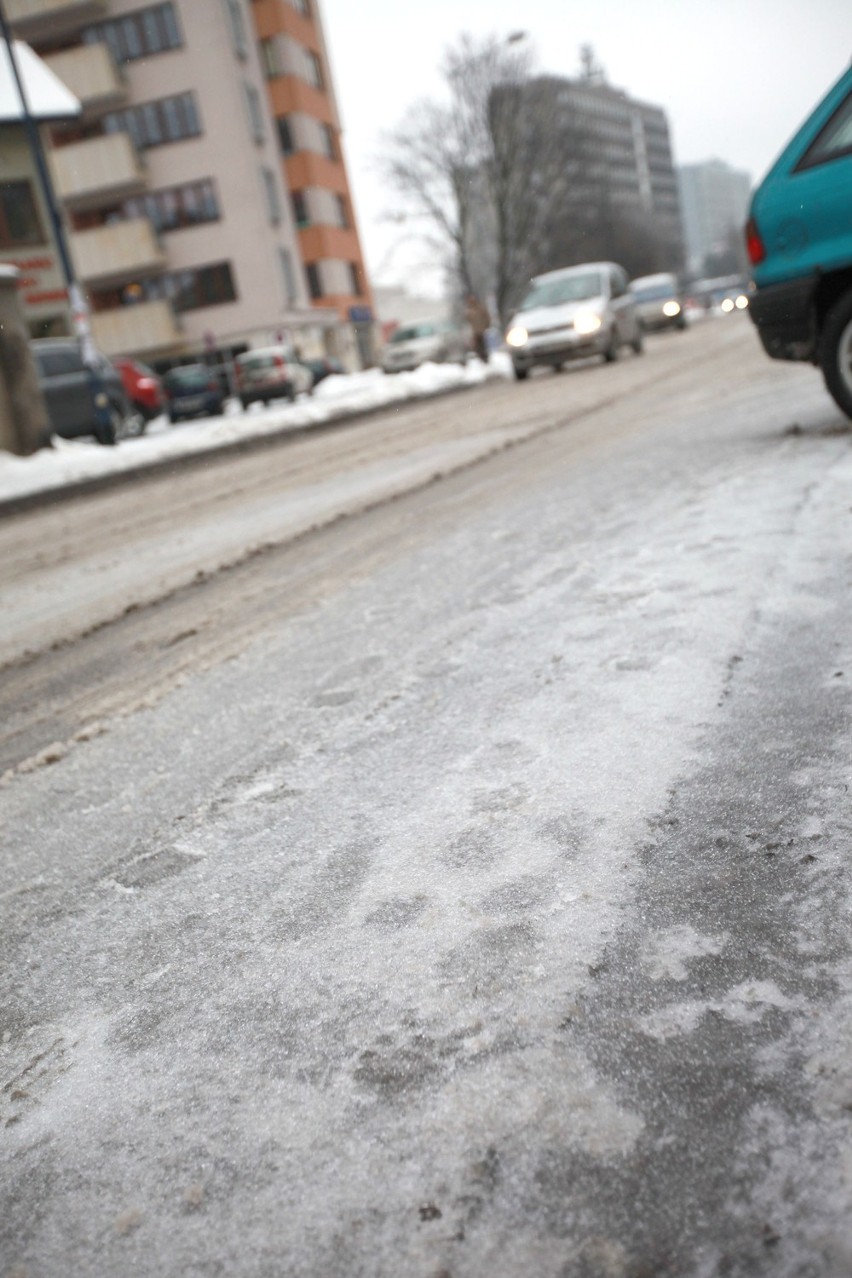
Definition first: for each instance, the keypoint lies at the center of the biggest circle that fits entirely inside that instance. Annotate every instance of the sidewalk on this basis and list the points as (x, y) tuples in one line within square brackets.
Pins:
[(79, 466)]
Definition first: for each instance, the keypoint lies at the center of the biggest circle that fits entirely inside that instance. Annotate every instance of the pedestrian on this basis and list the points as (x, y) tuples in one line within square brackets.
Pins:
[(476, 314)]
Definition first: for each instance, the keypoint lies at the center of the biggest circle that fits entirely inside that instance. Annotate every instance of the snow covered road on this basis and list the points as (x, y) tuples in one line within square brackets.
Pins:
[(461, 888)]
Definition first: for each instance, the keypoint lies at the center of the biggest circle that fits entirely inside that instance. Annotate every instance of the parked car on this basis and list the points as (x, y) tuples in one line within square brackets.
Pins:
[(324, 367), (425, 342), (80, 400), (799, 240), (271, 372), (193, 390), (143, 388), (572, 313), (659, 302)]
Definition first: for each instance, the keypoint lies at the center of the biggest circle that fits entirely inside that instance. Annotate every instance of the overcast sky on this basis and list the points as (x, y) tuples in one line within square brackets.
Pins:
[(735, 77)]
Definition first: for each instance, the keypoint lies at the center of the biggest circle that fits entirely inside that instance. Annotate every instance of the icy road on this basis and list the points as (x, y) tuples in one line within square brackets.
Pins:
[(426, 844)]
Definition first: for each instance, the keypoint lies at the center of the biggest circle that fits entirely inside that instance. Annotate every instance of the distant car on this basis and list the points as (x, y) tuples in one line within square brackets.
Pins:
[(71, 392), (143, 387), (271, 372), (573, 313), (193, 390), (425, 342), (659, 302), (324, 367)]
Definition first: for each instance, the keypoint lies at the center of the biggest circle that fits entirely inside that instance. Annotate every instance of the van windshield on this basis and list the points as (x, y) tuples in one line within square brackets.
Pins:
[(570, 288)]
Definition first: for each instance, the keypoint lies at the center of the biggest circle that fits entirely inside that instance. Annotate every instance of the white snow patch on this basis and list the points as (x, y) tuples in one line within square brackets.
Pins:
[(666, 953), (745, 1003), (73, 460)]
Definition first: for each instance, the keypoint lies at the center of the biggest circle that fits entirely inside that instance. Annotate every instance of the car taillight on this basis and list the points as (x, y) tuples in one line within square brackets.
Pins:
[(754, 244)]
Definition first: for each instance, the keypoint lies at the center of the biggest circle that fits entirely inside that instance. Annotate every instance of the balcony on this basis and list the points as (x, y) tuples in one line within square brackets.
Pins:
[(91, 74), (49, 21), (117, 253), (100, 171), (146, 329)]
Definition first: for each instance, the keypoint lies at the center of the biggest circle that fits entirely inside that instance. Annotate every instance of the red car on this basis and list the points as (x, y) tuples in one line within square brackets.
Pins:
[(143, 388)]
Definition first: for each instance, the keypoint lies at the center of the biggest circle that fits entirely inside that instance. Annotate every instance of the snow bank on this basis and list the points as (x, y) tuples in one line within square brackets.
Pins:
[(71, 461)]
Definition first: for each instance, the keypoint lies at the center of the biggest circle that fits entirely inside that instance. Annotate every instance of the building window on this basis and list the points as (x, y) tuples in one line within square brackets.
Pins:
[(177, 206), (154, 123), (195, 289), (20, 223), (342, 211), (285, 136), (314, 70), (139, 34), (238, 28), (273, 203), (329, 144), (303, 6), (314, 281), (355, 279), (270, 56), (255, 112), (288, 276), (300, 209)]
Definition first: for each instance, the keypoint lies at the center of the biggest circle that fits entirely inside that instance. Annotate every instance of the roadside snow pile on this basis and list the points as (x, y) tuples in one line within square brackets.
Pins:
[(73, 461)]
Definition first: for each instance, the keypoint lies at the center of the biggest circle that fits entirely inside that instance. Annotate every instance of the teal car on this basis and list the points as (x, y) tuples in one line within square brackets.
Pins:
[(799, 240)]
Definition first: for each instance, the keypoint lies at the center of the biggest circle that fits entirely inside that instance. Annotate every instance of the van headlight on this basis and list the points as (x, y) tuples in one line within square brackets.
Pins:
[(517, 336), (587, 322), (671, 309)]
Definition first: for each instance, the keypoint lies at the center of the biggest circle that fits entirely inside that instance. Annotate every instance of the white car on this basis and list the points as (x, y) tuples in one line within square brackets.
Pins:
[(573, 313), (424, 342), (271, 372)]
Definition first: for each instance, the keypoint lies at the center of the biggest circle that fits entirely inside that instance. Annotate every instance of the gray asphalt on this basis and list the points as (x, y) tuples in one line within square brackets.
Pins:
[(470, 894)]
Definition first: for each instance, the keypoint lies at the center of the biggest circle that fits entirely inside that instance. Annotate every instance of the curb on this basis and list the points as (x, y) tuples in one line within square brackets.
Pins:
[(40, 497)]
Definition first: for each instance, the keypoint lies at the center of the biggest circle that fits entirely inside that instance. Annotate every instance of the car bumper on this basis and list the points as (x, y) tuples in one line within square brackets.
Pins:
[(785, 318), (558, 348)]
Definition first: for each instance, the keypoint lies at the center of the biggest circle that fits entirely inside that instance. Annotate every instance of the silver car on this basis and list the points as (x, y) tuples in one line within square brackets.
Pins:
[(573, 313), (659, 301), (426, 341)]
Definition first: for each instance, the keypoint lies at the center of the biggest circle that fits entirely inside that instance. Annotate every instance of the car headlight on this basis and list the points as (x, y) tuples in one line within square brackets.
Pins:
[(517, 336), (671, 308), (587, 322), (742, 302), (728, 304)]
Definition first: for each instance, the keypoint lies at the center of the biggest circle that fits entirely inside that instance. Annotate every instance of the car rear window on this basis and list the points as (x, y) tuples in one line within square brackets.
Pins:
[(834, 140)]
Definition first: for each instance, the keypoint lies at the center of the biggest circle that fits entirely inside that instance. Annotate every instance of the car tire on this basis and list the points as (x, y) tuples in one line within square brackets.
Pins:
[(558, 368), (521, 374), (611, 352), (638, 343), (835, 353)]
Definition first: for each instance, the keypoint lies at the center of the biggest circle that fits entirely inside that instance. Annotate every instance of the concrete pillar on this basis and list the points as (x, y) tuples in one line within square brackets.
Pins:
[(24, 425)]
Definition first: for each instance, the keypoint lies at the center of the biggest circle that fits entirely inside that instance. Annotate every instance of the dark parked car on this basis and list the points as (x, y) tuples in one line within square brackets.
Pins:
[(80, 400), (143, 386), (325, 367), (193, 390)]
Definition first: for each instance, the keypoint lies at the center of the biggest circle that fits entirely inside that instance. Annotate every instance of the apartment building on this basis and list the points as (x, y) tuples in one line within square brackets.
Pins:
[(301, 96), (182, 227)]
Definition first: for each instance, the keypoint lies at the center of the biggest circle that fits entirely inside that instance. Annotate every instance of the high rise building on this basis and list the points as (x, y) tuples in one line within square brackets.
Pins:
[(714, 199), (626, 151), (194, 224)]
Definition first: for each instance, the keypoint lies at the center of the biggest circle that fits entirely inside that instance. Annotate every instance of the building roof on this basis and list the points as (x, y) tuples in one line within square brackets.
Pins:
[(47, 97)]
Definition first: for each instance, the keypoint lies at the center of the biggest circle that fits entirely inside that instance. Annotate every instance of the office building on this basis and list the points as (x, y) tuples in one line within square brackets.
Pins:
[(625, 154), (186, 233), (714, 200)]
